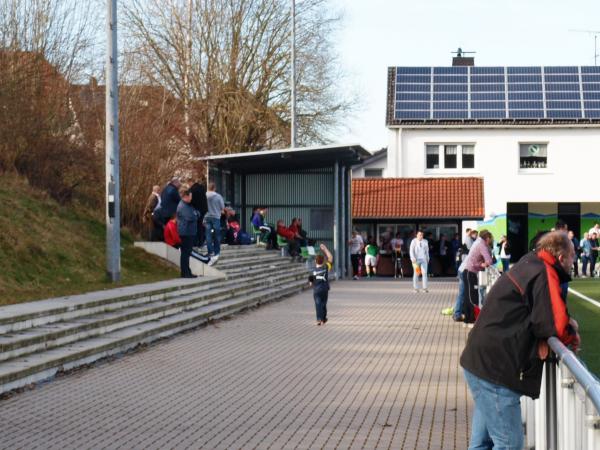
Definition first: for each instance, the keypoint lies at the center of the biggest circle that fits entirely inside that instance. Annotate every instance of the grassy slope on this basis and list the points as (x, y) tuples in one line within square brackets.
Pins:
[(588, 316), (47, 250)]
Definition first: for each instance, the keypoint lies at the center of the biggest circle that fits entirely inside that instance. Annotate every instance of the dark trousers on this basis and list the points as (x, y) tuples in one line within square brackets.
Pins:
[(187, 242), (471, 298), (355, 258), (200, 237), (576, 266), (321, 304), (592, 264), (293, 247), (158, 229)]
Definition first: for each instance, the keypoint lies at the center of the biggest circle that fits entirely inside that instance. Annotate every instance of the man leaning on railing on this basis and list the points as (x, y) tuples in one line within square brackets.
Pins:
[(503, 357)]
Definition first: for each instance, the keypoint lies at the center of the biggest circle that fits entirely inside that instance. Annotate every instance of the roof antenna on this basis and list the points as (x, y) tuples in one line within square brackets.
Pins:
[(461, 60), (459, 53)]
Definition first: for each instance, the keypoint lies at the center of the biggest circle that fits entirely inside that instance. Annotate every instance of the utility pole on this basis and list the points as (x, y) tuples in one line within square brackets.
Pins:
[(595, 33), (113, 213), (293, 82), (186, 75)]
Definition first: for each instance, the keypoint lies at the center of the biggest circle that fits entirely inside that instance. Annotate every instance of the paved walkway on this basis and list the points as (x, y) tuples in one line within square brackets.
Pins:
[(383, 373)]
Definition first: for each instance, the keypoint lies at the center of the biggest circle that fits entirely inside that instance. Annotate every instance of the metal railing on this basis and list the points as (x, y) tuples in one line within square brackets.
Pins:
[(567, 414)]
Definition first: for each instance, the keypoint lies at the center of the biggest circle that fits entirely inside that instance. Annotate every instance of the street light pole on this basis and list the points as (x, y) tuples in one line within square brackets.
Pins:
[(113, 213), (293, 81)]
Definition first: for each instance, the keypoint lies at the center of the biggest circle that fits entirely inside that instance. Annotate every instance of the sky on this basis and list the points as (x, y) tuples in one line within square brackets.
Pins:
[(377, 34)]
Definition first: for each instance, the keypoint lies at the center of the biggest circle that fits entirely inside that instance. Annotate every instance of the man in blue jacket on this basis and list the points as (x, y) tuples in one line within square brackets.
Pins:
[(187, 228), (169, 199)]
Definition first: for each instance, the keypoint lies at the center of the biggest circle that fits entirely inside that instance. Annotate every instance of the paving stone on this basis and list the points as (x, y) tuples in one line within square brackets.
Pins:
[(383, 373)]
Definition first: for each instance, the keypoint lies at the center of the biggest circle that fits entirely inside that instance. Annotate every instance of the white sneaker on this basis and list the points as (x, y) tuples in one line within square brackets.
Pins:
[(213, 260), (426, 290), (416, 291)]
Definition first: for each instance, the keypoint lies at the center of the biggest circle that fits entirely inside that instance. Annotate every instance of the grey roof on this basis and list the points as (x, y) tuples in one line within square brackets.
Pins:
[(290, 158)]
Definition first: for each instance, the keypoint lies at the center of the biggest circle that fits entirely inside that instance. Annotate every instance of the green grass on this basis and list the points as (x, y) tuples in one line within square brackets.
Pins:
[(48, 250), (588, 316)]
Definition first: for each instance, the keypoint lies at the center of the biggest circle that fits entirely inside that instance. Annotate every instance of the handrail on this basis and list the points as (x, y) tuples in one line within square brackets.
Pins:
[(582, 375)]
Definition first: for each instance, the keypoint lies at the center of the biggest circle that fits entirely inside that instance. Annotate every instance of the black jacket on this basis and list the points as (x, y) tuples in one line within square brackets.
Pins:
[(199, 198), (523, 308)]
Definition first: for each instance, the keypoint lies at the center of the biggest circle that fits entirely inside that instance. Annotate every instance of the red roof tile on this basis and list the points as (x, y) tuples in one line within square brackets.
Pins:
[(417, 197)]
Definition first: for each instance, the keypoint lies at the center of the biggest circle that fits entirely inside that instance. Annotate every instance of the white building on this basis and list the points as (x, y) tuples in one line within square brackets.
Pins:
[(531, 133)]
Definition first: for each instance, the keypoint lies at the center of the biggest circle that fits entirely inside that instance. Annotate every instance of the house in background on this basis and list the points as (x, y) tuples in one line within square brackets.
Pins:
[(530, 134)]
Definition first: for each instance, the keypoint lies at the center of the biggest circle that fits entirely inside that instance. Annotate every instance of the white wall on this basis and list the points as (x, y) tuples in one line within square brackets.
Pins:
[(573, 173), (379, 164)]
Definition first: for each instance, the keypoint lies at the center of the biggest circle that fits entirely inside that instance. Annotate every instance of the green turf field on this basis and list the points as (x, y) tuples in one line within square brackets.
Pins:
[(588, 316)]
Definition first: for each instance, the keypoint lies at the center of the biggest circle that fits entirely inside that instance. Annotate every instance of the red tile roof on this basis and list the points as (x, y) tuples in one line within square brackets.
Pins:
[(417, 197)]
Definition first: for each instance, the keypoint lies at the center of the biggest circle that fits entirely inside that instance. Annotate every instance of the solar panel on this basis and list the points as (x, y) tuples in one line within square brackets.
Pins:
[(488, 105), (527, 92)]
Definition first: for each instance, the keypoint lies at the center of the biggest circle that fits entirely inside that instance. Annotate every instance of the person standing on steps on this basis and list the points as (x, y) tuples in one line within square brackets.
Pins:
[(212, 223), (187, 228), (419, 255), (199, 202), (319, 280)]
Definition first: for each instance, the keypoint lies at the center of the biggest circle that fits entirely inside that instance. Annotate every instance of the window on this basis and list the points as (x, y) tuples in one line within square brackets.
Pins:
[(454, 156), (468, 156), (433, 156), (533, 156), (373, 173), (450, 152)]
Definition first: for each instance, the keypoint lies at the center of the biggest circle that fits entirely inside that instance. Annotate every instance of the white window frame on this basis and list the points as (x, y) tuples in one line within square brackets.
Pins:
[(533, 170), (441, 154)]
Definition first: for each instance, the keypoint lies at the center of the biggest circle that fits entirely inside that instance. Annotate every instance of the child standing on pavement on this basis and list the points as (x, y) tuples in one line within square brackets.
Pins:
[(319, 280)]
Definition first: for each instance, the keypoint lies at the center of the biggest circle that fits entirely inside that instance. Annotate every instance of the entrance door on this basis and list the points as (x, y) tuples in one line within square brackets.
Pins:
[(570, 213), (517, 229)]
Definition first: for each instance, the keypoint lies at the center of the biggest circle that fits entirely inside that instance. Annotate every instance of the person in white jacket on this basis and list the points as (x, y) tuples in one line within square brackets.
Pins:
[(419, 255)]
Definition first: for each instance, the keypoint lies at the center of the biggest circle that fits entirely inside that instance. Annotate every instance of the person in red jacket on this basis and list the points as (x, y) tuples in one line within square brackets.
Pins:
[(290, 237), (173, 239), (503, 357), (171, 235)]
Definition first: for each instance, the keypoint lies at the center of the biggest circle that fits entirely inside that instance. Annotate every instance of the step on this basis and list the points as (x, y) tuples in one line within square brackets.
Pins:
[(246, 261), (39, 366), (30, 314), (43, 338)]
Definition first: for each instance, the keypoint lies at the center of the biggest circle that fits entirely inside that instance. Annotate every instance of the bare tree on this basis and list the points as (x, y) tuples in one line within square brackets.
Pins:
[(43, 46), (229, 64)]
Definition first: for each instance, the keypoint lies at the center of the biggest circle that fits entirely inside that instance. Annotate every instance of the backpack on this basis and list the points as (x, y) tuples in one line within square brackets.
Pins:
[(243, 238)]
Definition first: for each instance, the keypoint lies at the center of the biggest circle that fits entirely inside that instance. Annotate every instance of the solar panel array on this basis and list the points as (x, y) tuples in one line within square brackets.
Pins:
[(450, 93)]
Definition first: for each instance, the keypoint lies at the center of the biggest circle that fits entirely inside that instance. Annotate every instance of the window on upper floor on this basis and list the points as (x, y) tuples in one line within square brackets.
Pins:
[(449, 156), (373, 173), (533, 156)]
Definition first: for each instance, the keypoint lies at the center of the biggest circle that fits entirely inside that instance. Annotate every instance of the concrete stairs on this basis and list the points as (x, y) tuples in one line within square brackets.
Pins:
[(39, 339)]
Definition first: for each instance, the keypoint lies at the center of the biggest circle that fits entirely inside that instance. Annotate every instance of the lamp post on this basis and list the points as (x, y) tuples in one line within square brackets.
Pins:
[(113, 213), (293, 81)]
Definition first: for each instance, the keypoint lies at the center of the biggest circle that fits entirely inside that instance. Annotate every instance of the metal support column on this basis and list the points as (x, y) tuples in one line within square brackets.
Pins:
[(343, 236), (113, 208), (336, 219), (348, 217), (245, 221)]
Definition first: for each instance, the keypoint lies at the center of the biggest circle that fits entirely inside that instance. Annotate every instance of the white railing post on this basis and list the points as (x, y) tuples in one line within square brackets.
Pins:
[(540, 416)]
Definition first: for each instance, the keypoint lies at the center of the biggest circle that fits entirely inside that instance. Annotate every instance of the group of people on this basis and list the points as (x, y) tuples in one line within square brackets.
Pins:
[(586, 251), (185, 217), (442, 253), (293, 235)]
